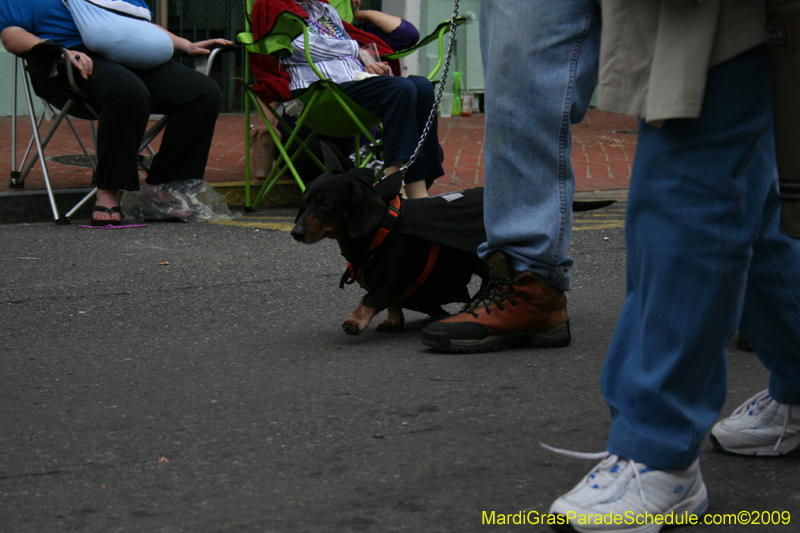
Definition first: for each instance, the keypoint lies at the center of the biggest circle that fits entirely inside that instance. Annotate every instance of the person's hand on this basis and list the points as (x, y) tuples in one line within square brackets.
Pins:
[(361, 15), (258, 131), (82, 62), (203, 48), (356, 4), (381, 69)]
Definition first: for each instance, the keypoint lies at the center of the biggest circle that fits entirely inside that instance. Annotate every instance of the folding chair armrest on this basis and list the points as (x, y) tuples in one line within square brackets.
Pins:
[(42, 56), (344, 8), (248, 41), (218, 48), (278, 41), (225, 48), (204, 63), (436, 35)]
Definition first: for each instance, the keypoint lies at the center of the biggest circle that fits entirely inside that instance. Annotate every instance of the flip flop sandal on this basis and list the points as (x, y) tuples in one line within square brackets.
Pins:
[(110, 211)]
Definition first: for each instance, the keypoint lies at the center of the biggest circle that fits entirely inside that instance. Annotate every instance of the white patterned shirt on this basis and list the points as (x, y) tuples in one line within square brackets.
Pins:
[(336, 58)]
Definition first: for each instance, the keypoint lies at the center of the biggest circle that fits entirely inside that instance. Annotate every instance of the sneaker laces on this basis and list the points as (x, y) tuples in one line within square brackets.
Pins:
[(758, 403), (605, 472)]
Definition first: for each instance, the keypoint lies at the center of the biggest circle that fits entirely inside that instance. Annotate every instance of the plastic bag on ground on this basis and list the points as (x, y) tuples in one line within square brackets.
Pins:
[(187, 200)]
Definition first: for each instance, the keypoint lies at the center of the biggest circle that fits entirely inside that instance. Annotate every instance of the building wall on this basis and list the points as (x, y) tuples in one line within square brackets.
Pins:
[(410, 10), (425, 15), (466, 56), (6, 88)]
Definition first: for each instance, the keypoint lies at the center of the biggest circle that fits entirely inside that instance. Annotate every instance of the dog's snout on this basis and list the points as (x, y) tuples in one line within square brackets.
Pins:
[(299, 232)]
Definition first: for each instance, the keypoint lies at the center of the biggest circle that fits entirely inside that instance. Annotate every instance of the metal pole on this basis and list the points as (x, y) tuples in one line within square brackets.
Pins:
[(14, 117), (163, 13)]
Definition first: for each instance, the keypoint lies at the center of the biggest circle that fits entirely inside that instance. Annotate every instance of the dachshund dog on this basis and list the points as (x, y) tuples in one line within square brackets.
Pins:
[(379, 233)]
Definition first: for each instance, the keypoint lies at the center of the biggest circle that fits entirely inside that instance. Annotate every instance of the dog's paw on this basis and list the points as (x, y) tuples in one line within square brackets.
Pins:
[(358, 320), (389, 326), (351, 327)]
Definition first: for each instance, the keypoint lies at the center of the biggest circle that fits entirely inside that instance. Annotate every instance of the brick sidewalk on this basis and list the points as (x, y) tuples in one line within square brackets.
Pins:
[(603, 146)]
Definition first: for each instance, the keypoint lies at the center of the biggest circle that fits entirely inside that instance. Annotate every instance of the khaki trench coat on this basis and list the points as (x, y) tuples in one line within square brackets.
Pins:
[(654, 54)]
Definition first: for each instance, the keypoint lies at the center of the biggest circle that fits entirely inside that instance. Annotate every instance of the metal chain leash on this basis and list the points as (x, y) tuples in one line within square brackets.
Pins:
[(438, 99)]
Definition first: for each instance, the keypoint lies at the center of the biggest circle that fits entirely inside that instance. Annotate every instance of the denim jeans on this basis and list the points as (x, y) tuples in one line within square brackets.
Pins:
[(704, 256), (540, 71)]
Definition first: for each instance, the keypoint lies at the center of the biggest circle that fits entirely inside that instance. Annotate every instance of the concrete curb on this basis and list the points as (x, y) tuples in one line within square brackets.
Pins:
[(29, 206)]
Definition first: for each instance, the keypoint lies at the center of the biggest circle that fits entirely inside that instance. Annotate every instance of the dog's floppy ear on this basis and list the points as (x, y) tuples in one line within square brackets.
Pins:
[(331, 161), (389, 187), (366, 212)]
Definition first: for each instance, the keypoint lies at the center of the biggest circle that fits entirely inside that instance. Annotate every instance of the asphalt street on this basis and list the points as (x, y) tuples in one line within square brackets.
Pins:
[(195, 378)]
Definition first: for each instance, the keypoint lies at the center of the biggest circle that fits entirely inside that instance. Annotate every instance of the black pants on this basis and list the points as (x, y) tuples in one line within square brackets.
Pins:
[(403, 105), (126, 98)]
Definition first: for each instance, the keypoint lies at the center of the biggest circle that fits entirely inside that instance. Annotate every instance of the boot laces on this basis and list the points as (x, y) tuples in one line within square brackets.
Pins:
[(496, 292), (608, 470)]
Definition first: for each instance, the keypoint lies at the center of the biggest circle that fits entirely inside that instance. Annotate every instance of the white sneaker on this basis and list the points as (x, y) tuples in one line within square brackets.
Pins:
[(760, 426), (619, 495)]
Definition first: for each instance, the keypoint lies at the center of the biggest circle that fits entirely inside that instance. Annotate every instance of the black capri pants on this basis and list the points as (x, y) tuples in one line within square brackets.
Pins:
[(126, 98)]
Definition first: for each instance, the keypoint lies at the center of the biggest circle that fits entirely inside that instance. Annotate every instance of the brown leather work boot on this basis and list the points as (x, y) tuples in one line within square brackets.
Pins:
[(513, 310)]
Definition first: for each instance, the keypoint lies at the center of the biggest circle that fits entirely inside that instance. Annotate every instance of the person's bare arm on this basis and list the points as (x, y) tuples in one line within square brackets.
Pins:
[(17, 40), (387, 23), (195, 49)]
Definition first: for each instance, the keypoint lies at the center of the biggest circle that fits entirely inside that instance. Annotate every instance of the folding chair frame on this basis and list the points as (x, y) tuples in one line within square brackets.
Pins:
[(278, 47), (75, 96), (323, 92)]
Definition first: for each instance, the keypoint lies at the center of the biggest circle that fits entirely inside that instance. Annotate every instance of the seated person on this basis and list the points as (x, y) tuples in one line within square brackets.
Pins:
[(398, 33), (125, 98), (403, 104)]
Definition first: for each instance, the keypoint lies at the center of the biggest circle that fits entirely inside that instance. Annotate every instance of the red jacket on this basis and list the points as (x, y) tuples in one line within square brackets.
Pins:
[(271, 79)]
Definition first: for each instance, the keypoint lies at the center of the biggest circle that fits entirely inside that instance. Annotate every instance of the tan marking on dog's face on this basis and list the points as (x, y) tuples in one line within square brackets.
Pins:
[(316, 230), (324, 211)]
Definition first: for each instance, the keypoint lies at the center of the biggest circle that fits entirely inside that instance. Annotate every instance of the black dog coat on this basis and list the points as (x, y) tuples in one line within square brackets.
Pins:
[(453, 225)]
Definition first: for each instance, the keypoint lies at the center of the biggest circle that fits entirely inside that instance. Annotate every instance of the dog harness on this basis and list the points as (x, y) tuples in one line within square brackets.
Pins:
[(355, 273)]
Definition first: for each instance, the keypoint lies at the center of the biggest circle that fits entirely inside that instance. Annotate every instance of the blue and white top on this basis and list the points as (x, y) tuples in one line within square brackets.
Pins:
[(47, 19), (52, 19), (333, 51), (121, 30)]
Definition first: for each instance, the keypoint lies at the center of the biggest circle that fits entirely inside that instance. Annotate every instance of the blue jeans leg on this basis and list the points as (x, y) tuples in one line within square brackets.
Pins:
[(771, 314), (540, 70), (700, 231)]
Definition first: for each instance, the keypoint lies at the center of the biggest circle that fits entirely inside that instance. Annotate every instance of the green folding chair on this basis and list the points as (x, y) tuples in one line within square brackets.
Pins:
[(344, 8), (436, 35), (326, 109)]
